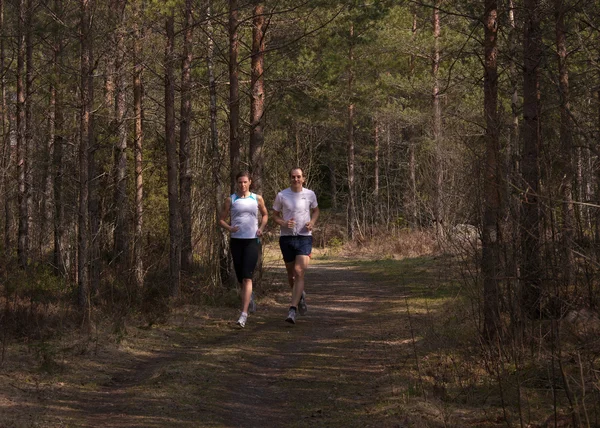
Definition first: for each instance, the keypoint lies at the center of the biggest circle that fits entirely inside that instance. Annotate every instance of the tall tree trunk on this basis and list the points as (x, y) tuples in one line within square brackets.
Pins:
[(512, 205), (185, 171), (412, 173), (350, 143), (297, 140), (408, 137), (490, 260), (597, 178), (172, 162), (83, 256), (566, 143), (138, 102), (412, 57), (220, 244), (376, 161), (530, 228), (22, 155), (332, 167), (94, 198), (58, 167), (584, 186), (513, 144), (121, 237), (257, 101), (47, 194), (6, 144), (29, 124), (234, 94), (438, 208), (57, 161)]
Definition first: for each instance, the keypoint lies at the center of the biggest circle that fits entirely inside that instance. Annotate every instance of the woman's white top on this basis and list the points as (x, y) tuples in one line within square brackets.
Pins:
[(296, 205), (244, 214)]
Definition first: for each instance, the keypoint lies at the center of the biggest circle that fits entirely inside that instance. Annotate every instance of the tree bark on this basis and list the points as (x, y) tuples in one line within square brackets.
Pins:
[(530, 228), (6, 144), (490, 260), (220, 244), (121, 236), (438, 208), (94, 198), (597, 178), (566, 144), (22, 155), (29, 124), (412, 173), (172, 162), (47, 194), (376, 162), (350, 143), (83, 256), (511, 204), (138, 101), (257, 101), (513, 145), (57, 161), (234, 95), (332, 166), (185, 171)]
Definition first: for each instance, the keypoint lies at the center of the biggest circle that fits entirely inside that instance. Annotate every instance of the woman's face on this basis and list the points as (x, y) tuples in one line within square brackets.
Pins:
[(243, 184)]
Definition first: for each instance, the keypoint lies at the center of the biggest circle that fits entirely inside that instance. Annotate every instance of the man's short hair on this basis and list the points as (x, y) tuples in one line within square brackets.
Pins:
[(295, 168)]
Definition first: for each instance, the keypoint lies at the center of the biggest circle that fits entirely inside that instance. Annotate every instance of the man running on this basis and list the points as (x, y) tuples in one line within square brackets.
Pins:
[(296, 211)]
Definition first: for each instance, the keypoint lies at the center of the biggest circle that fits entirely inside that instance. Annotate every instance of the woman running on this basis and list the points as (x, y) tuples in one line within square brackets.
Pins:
[(244, 208)]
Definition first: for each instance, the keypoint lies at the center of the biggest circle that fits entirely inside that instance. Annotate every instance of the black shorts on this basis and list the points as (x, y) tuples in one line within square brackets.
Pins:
[(297, 245), (244, 253)]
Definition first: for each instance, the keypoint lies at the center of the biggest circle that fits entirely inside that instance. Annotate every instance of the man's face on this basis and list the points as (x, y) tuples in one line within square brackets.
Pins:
[(296, 177)]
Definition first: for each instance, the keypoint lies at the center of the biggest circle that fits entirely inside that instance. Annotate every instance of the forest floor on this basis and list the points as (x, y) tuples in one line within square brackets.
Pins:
[(353, 361)]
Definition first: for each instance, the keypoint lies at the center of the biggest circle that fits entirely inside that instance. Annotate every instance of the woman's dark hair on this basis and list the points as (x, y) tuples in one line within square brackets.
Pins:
[(243, 174)]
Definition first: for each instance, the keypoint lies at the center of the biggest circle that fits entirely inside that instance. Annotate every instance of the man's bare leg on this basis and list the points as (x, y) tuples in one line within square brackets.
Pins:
[(298, 268), (290, 268)]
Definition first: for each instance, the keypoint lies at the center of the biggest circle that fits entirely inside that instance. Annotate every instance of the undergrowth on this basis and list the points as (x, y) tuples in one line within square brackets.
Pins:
[(538, 373)]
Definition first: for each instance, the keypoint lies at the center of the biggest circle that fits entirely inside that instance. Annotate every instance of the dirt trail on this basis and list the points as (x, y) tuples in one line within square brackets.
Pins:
[(324, 371), (331, 369)]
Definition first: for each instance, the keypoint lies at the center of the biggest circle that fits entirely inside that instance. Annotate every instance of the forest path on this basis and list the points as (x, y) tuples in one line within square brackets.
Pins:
[(334, 367)]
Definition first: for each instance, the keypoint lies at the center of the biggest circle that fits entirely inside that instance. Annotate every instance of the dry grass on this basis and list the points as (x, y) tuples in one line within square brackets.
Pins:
[(433, 369), (527, 378), (398, 245)]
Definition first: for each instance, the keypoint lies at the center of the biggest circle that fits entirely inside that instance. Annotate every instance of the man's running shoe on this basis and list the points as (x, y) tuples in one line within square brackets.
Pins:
[(291, 318), (242, 320), (302, 308), (252, 305)]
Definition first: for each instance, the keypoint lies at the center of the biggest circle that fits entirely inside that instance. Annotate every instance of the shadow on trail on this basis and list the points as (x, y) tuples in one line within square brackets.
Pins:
[(329, 369)]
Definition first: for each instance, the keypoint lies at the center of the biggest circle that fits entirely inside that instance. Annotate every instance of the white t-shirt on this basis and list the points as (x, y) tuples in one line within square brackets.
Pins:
[(297, 206), (244, 214)]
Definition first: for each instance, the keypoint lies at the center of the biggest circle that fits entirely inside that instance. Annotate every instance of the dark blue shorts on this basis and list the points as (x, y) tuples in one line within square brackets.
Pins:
[(292, 246)]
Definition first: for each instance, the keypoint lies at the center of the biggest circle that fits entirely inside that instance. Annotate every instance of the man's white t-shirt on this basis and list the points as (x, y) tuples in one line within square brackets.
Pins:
[(297, 206)]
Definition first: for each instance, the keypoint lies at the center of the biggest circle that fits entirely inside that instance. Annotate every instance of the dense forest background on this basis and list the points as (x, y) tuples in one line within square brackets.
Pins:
[(123, 123)]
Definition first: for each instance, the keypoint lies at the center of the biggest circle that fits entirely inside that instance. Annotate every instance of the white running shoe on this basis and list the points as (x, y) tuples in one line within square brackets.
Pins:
[(252, 306), (242, 320), (291, 318), (302, 308)]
